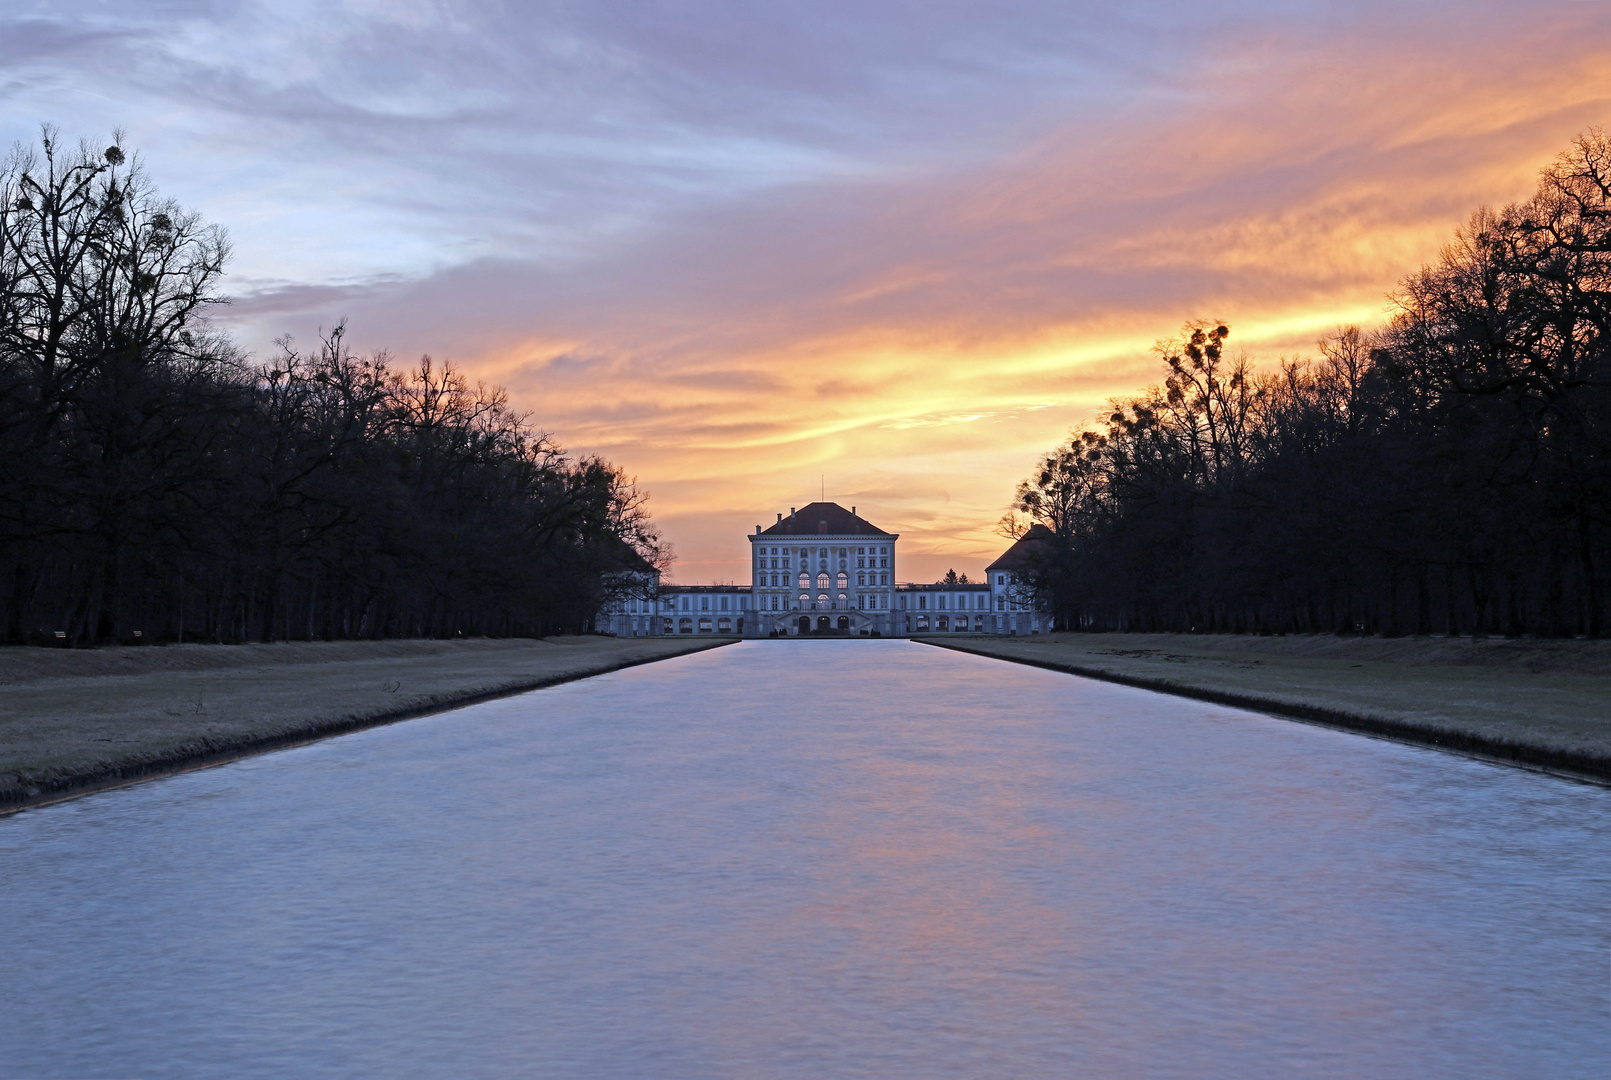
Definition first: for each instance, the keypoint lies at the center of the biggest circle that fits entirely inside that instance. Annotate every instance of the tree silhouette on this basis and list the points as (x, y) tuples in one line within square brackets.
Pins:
[(1450, 472), (158, 481)]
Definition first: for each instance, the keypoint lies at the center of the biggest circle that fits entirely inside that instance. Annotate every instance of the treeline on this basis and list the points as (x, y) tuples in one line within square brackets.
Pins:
[(1448, 473), (157, 485)]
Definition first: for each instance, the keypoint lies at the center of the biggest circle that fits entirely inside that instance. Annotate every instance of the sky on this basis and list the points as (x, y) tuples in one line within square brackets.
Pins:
[(889, 252)]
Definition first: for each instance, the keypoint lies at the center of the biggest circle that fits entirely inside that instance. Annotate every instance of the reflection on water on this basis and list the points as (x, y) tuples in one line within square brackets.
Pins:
[(817, 859)]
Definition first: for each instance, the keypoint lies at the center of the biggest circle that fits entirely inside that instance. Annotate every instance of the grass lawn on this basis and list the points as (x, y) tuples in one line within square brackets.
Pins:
[(73, 720), (1540, 702)]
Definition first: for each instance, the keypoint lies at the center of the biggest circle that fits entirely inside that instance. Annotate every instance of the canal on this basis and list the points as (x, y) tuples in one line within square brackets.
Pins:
[(817, 859)]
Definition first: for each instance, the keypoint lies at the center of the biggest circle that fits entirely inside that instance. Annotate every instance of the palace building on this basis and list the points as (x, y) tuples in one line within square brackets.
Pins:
[(823, 570)]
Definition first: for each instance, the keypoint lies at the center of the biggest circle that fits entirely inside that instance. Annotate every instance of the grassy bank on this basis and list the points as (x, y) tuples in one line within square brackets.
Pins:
[(80, 720), (1542, 703)]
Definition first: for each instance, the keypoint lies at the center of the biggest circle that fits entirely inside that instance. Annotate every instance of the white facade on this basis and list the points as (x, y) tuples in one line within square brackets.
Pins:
[(823, 570)]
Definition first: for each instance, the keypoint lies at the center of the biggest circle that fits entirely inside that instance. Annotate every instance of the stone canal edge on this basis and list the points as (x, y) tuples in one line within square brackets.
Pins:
[(1588, 768), (223, 751)]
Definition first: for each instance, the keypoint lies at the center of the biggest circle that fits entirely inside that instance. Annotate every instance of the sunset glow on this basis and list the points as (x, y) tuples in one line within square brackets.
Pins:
[(887, 255)]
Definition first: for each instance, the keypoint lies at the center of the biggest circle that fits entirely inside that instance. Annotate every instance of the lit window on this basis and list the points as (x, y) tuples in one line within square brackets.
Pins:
[(805, 581), (844, 580), (822, 581)]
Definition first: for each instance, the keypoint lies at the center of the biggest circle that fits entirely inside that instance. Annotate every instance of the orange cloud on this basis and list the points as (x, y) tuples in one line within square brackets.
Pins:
[(914, 341)]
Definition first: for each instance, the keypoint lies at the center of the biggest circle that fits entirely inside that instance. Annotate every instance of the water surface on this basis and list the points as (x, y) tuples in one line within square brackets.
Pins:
[(817, 859)]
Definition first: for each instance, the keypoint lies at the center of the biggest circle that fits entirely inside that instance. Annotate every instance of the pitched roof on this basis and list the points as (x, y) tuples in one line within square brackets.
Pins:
[(823, 518), (1029, 549), (624, 557)]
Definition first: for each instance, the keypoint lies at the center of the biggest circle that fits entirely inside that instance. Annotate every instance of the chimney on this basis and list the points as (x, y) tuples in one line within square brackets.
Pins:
[(791, 511), (780, 517), (852, 511), (757, 530)]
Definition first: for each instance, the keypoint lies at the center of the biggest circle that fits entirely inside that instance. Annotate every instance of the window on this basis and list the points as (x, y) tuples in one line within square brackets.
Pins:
[(1001, 604), (805, 581), (922, 601), (704, 603), (1001, 579), (724, 603), (861, 579), (861, 551), (822, 581), (804, 599), (844, 579)]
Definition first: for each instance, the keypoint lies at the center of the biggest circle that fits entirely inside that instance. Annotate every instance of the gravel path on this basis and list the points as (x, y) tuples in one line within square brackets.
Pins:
[(1535, 702), (79, 720)]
